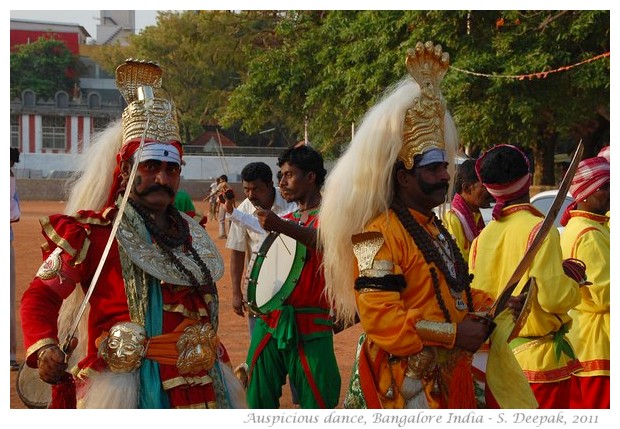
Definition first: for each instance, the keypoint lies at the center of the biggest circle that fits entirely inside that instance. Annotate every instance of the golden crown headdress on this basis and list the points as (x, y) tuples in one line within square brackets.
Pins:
[(137, 81), (424, 128)]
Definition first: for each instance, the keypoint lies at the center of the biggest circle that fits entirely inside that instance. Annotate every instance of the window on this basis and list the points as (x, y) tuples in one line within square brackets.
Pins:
[(29, 99), (99, 124), (62, 100), (54, 132), (15, 131), (94, 101)]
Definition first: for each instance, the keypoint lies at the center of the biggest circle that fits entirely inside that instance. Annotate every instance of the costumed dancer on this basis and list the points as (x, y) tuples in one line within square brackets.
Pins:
[(388, 257), (151, 330), (541, 348), (586, 237)]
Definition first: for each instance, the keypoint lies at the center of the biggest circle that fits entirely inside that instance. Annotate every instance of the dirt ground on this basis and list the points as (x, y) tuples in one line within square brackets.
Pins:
[(233, 329)]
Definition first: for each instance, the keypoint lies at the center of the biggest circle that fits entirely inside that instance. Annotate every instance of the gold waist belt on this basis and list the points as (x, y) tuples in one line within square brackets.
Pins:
[(192, 347)]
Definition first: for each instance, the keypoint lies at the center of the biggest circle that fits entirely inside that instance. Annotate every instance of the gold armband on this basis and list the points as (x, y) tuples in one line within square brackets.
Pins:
[(436, 332)]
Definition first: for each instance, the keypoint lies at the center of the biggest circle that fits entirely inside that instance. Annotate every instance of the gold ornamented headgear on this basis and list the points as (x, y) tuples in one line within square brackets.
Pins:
[(424, 128), (137, 80)]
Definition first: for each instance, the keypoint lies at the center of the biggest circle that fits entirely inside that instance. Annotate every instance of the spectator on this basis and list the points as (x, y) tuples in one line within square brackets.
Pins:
[(15, 215)]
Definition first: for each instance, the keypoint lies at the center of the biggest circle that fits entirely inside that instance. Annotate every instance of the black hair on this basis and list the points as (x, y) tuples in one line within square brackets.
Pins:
[(307, 159), (224, 178), (257, 171), (502, 164), (465, 175), (14, 155)]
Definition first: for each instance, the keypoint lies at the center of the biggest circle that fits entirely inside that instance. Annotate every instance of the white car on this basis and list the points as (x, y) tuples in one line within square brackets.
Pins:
[(543, 200)]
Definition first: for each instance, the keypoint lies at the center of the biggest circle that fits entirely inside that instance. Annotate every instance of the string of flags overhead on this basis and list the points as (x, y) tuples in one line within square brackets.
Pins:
[(530, 76)]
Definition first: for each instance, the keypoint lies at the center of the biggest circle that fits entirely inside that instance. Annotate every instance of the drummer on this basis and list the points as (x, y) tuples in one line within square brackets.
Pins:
[(245, 234), (297, 338)]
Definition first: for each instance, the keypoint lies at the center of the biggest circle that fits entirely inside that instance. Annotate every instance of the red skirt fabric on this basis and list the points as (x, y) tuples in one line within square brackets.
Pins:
[(590, 392)]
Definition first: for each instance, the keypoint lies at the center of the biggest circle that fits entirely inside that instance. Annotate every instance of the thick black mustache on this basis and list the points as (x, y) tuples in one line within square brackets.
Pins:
[(429, 188), (156, 188)]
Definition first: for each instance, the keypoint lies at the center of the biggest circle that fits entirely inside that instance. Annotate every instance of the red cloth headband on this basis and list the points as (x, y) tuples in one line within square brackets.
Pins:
[(591, 174), (504, 192)]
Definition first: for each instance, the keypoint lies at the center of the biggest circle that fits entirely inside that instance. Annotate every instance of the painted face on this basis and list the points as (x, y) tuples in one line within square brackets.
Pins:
[(156, 184), (124, 347), (294, 183), (259, 193)]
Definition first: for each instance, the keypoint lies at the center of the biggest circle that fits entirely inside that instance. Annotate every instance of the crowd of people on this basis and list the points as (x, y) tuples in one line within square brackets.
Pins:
[(368, 247)]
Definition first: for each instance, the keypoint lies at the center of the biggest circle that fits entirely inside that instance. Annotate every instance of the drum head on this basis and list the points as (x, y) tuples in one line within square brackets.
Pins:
[(274, 272), (33, 392)]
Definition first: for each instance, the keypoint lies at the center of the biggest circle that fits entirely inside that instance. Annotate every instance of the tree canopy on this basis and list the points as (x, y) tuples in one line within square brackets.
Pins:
[(539, 79), (331, 66), (45, 66)]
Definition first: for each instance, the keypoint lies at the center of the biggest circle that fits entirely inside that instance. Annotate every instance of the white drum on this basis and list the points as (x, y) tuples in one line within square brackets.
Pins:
[(274, 272)]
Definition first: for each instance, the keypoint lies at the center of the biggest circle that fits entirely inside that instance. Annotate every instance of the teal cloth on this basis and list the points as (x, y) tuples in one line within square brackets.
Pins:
[(152, 394)]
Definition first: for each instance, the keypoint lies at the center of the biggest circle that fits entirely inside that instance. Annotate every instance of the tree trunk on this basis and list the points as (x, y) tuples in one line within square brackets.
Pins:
[(544, 161)]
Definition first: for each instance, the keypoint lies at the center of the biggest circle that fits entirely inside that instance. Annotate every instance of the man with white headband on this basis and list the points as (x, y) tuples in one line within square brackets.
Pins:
[(541, 347), (150, 339), (586, 237), (389, 260)]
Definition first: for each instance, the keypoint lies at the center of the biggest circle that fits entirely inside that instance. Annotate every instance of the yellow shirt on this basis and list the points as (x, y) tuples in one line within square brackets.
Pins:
[(454, 226), (493, 257), (388, 318), (586, 237)]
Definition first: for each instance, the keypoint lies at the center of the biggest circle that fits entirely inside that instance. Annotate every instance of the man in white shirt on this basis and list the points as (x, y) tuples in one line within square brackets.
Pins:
[(246, 234)]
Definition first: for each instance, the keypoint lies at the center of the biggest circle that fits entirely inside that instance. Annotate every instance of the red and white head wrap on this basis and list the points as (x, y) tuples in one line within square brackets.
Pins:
[(504, 192), (591, 174), (604, 153)]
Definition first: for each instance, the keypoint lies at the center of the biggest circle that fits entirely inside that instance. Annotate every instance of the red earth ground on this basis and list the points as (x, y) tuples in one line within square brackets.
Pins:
[(233, 328)]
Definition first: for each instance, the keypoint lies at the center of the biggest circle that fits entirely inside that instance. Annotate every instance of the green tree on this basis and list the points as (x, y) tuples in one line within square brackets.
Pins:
[(203, 57), (331, 66), (526, 91), (257, 70), (45, 66)]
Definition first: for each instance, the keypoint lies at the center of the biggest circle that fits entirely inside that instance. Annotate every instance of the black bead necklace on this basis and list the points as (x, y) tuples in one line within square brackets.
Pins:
[(423, 240)]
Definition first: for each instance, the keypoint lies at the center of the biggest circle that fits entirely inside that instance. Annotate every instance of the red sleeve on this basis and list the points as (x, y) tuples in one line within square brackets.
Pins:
[(55, 280)]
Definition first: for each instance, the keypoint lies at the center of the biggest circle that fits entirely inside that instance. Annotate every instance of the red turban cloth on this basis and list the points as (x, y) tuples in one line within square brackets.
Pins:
[(604, 153), (591, 174)]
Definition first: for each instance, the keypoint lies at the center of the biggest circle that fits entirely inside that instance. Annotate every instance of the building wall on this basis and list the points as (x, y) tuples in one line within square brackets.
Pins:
[(25, 37), (48, 165)]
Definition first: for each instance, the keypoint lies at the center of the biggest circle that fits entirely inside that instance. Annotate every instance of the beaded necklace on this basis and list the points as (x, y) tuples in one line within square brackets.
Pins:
[(457, 283), (176, 235)]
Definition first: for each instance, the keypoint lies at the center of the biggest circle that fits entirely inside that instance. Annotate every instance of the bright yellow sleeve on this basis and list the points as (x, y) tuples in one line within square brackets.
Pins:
[(454, 227)]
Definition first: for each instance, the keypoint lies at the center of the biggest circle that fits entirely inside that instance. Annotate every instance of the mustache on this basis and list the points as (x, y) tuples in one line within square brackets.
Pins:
[(429, 188), (156, 188)]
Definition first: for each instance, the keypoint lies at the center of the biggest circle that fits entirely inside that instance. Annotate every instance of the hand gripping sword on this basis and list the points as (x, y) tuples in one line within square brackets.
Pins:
[(500, 303), (145, 93)]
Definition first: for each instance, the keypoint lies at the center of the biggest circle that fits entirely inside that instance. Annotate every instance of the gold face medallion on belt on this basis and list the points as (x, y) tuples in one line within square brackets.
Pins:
[(124, 347), (197, 348)]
